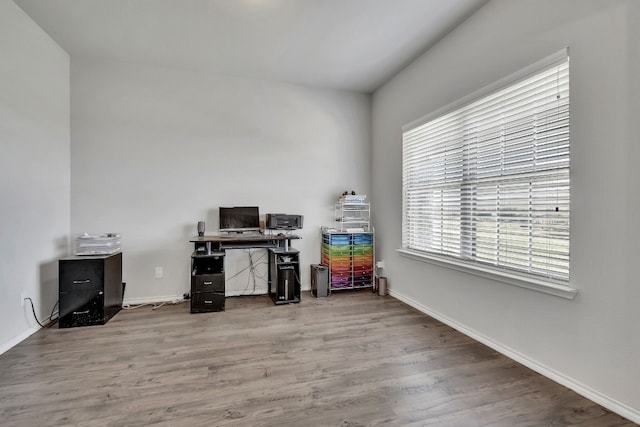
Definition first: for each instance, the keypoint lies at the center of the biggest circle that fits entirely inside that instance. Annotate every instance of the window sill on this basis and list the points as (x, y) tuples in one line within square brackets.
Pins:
[(547, 287)]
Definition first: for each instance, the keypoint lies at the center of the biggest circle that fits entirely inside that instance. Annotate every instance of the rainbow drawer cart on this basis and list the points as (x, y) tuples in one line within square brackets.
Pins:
[(349, 257)]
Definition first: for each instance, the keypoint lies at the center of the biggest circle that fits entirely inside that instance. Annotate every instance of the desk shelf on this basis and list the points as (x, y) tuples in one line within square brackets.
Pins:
[(284, 275), (207, 281)]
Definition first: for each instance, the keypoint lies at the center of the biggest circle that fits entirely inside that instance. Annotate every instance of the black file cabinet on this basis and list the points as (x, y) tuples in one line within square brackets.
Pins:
[(90, 289), (284, 275), (207, 282)]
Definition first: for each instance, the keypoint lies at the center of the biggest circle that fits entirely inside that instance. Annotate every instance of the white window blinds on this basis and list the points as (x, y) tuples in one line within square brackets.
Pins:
[(488, 182)]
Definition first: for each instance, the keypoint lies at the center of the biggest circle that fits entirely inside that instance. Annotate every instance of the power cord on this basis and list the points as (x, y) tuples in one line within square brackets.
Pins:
[(253, 271), (51, 319), (33, 310), (154, 306), (251, 267)]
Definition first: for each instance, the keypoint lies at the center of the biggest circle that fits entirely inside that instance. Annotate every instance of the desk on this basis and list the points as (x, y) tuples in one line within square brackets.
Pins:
[(207, 268), (220, 242)]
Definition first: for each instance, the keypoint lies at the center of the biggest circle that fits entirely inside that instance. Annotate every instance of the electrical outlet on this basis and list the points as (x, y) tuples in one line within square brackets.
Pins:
[(23, 298), (159, 272), (380, 264)]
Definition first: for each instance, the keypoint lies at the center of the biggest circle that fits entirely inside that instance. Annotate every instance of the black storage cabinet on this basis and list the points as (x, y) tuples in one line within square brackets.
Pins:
[(284, 275), (207, 282), (90, 289)]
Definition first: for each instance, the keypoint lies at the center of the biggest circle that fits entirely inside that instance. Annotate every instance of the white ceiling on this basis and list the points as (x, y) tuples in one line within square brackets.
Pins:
[(344, 44)]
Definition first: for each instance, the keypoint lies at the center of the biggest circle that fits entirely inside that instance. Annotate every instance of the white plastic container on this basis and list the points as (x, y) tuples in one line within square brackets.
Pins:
[(104, 244)]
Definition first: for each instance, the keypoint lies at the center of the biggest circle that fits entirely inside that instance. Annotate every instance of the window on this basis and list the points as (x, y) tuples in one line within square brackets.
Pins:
[(486, 183)]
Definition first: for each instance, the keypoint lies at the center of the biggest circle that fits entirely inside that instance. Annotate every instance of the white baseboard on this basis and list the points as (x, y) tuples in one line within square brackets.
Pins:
[(591, 394), (244, 294), (232, 293), (4, 347), (17, 340), (151, 300)]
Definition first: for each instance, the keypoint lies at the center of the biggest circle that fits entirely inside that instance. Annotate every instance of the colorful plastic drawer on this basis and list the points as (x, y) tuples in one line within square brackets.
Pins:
[(345, 256), (362, 259), (359, 239), (341, 274), (337, 249), (337, 239), (339, 267), (362, 249), (362, 282), (340, 285)]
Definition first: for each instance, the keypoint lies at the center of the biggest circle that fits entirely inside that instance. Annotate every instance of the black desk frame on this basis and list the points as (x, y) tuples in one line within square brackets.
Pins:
[(220, 242), (275, 244)]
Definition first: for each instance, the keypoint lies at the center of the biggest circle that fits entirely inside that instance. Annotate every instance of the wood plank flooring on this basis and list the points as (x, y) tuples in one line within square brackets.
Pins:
[(354, 359)]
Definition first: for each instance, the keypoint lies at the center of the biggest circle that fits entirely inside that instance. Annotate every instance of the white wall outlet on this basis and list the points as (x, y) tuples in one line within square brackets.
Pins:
[(380, 264), (159, 272), (23, 298)]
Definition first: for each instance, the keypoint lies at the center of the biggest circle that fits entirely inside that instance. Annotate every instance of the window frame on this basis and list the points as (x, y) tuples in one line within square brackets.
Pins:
[(547, 285)]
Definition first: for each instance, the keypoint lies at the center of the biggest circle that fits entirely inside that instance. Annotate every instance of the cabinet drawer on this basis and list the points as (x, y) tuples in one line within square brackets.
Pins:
[(83, 275), (81, 309), (207, 301), (208, 283)]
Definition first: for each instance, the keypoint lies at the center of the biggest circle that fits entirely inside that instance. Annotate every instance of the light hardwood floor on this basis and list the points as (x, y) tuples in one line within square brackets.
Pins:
[(354, 359)]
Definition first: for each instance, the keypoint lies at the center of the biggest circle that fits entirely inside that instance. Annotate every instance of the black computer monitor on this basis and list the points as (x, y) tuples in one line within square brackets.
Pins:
[(239, 219)]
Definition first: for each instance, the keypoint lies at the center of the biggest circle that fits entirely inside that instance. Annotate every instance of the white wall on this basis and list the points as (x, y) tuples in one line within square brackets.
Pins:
[(155, 150), (34, 171), (590, 343)]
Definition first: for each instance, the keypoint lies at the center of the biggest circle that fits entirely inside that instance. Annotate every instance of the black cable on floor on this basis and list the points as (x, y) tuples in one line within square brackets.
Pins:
[(51, 319), (34, 312)]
